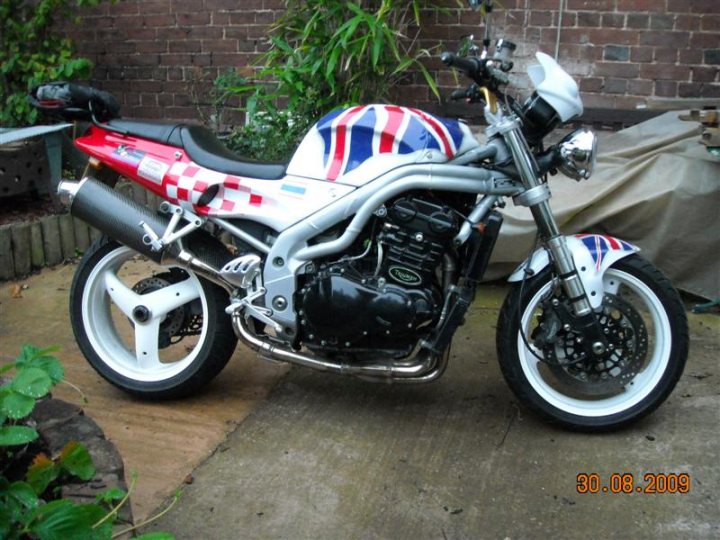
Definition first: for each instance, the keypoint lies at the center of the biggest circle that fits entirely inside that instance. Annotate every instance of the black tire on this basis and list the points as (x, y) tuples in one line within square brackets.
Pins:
[(516, 375), (212, 352)]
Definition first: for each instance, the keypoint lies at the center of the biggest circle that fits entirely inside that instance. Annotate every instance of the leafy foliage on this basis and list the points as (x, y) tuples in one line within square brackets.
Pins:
[(326, 54), (33, 52), (27, 508)]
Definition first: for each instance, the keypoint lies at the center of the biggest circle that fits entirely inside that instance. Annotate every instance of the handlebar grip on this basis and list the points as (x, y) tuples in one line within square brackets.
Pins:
[(459, 94), (471, 66)]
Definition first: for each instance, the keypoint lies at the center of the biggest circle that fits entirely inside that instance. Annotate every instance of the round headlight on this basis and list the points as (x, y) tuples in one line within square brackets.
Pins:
[(577, 154)]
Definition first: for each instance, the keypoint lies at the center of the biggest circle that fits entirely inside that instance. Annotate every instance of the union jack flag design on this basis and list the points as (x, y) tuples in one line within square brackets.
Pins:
[(598, 245), (352, 136)]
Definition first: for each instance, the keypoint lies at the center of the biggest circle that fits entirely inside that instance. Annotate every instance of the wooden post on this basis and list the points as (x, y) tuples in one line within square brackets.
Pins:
[(94, 234), (51, 240), (7, 264), (21, 249), (67, 236), (82, 234), (36, 245)]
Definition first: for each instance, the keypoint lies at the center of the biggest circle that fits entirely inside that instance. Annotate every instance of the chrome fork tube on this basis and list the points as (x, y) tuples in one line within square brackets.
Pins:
[(544, 218)]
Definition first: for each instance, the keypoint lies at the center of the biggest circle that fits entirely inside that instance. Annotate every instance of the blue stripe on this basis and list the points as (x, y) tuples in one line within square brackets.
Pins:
[(293, 189), (361, 139)]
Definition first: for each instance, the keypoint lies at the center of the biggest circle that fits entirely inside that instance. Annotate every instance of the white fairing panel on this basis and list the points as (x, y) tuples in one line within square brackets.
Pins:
[(593, 254), (555, 86)]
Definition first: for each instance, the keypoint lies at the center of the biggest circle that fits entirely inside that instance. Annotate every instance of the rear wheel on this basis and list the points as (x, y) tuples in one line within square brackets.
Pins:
[(644, 322), (154, 331)]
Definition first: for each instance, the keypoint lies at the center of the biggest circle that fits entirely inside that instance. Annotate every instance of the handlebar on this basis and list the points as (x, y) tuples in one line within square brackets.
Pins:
[(477, 69), (471, 66)]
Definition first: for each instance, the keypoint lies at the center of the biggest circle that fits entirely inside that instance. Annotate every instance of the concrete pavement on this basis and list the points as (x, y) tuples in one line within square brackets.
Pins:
[(330, 457)]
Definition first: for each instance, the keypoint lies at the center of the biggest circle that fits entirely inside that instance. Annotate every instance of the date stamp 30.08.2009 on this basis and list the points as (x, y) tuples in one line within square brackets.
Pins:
[(625, 483)]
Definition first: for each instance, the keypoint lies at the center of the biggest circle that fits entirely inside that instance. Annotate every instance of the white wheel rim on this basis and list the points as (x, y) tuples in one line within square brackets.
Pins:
[(642, 384), (143, 362)]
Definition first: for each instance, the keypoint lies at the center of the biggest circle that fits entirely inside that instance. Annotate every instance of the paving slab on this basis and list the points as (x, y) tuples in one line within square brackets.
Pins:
[(163, 441), (332, 457)]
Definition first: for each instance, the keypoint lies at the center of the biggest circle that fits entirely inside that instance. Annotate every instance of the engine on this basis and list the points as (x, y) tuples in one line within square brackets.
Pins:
[(386, 297)]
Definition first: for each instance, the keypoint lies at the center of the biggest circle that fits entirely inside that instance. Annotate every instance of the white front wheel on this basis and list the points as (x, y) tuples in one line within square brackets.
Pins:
[(547, 364)]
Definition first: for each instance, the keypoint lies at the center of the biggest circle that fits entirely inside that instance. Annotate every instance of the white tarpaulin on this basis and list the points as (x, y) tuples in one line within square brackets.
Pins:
[(655, 186)]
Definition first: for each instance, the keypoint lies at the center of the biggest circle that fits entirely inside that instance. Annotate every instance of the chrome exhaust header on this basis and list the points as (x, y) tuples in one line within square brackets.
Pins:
[(426, 366)]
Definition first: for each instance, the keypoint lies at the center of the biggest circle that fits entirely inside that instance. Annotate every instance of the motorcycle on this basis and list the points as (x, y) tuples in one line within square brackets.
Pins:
[(363, 254)]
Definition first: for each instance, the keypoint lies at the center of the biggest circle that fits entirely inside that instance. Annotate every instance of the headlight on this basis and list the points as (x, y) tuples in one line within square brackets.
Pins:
[(577, 154)]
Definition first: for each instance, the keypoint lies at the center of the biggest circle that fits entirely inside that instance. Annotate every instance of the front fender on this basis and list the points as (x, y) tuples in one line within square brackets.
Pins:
[(593, 255)]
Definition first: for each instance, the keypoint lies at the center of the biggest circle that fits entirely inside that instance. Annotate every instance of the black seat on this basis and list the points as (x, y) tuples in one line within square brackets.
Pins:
[(205, 149), (161, 132)]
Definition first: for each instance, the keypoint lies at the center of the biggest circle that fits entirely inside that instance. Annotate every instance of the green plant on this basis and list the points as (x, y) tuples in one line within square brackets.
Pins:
[(32, 51), (224, 94), (330, 53), (326, 54), (29, 503)]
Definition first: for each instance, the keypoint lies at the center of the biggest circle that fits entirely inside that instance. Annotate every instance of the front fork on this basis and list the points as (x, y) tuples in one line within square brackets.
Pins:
[(537, 196)]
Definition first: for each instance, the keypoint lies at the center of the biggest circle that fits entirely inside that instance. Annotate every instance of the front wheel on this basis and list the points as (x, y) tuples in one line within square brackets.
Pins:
[(549, 370), (154, 331)]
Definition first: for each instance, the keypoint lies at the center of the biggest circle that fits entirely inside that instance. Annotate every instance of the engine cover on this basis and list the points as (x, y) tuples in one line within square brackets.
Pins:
[(337, 310)]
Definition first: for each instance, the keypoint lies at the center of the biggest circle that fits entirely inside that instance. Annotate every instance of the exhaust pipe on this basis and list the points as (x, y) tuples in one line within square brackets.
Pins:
[(119, 217), (425, 367)]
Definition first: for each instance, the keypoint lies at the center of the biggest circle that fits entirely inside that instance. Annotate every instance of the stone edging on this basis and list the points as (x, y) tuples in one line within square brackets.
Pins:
[(58, 423)]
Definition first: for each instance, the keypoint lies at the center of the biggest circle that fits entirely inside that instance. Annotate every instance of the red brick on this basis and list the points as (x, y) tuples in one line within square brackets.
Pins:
[(705, 74), (615, 86), (638, 20), (541, 18), (215, 45), (613, 20), (186, 45), (634, 6), (616, 69), (665, 39), (691, 56), (588, 19), (687, 22), (640, 87), (710, 23), (154, 21), (666, 88), (666, 55), (595, 5), (641, 54), (665, 72), (705, 40), (591, 84)]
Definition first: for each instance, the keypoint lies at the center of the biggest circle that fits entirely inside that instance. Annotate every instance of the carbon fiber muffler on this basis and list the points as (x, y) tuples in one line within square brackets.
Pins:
[(119, 217)]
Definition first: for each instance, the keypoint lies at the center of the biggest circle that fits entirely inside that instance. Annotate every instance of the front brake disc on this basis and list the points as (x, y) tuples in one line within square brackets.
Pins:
[(627, 339)]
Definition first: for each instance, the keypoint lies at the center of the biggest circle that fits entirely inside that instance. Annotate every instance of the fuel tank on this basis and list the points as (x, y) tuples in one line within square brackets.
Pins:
[(357, 144)]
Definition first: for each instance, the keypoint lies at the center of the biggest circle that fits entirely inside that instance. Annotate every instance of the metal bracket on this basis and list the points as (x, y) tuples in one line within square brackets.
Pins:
[(533, 196), (157, 242)]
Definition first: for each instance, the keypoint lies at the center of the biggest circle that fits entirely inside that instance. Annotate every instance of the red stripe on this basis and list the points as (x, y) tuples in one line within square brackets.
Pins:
[(395, 119), (255, 200), (340, 140), (614, 244), (438, 130)]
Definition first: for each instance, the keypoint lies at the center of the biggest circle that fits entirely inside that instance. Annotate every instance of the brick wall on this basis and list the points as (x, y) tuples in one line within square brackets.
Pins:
[(620, 51)]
